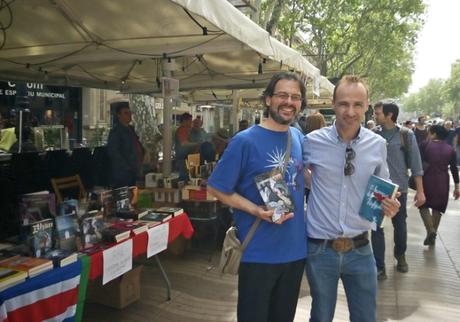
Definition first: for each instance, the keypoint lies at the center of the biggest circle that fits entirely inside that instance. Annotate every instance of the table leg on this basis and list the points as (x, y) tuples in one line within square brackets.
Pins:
[(165, 278)]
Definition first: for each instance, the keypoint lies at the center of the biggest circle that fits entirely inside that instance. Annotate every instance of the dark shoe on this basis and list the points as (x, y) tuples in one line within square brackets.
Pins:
[(381, 275), (430, 239), (402, 266)]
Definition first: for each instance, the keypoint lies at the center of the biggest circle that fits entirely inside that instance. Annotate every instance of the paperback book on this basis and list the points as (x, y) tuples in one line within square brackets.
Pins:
[(68, 207), (31, 265), (36, 206), (173, 211), (114, 234), (153, 216), (68, 232), (10, 277), (91, 226), (39, 237), (61, 257), (275, 193), (376, 191), (135, 226)]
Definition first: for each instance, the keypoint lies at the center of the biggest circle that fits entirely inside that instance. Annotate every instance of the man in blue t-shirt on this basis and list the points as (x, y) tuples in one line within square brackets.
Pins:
[(272, 264)]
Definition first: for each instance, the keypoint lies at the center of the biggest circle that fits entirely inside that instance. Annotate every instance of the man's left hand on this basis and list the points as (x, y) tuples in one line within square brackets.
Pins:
[(390, 207)]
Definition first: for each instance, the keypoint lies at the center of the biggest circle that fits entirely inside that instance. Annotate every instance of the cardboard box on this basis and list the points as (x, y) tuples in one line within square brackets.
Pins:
[(117, 293), (196, 193)]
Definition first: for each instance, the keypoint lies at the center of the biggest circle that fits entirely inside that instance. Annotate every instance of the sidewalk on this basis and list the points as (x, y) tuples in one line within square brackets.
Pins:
[(430, 291)]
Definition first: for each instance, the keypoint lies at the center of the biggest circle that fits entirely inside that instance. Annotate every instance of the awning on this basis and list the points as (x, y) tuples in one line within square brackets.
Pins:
[(121, 45)]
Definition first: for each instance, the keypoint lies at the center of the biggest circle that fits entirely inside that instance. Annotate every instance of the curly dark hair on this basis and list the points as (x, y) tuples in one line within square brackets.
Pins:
[(439, 130)]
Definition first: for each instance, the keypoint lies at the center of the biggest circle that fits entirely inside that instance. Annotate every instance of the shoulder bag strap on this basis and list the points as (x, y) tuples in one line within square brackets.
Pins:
[(257, 222)]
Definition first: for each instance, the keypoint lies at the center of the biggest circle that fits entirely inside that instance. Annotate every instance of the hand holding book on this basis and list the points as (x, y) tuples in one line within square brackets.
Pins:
[(269, 215)]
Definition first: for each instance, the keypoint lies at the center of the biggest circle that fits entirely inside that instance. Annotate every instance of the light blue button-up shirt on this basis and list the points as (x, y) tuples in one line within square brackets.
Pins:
[(335, 199)]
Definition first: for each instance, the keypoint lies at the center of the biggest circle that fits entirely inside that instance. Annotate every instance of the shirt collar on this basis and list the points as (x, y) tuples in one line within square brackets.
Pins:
[(337, 139)]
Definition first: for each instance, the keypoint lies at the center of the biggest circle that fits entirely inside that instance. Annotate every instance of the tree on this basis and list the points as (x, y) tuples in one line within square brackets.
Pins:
[(452, 89), (146, 125), (371, 38), (428, 100)]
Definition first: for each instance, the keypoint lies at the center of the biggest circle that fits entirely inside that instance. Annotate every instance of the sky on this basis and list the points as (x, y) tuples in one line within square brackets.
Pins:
[(438, 46)]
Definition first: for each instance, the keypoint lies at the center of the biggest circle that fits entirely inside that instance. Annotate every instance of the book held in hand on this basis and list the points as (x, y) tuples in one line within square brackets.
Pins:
[(275, 193), (376, 191)]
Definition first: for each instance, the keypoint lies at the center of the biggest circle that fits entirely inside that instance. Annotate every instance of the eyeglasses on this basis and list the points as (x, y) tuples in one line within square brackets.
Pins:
[(349, 168), (284, 96)]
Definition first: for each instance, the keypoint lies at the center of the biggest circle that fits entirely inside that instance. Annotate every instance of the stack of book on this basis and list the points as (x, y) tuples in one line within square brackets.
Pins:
[(135, 226), (31, 265), (10, 277), (152, 218), (115, 234), (61, 257)]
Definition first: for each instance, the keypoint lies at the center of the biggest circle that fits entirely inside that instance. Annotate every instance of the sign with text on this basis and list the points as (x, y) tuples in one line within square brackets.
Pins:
[(158, 239), (30, 90), (117, 260)]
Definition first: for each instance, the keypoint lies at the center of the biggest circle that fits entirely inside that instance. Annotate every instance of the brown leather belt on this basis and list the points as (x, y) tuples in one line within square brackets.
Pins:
[(343, 244)]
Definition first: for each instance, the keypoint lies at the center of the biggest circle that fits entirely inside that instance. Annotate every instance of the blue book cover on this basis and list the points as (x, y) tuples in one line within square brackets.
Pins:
[(377, 190)]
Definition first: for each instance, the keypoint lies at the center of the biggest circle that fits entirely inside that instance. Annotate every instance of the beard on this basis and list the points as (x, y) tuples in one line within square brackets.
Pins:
[(274, 114)]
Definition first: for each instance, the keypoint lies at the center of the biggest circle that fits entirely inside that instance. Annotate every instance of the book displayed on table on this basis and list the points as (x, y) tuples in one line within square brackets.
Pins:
[(31, 265), (152, 215), (135, 226), (377, 190), (173, 211), (39, 237), (61, 257), (10, 277), (114, 234), (36, 206), (68, 232), (68, 207), (275, 193), (91, 226)]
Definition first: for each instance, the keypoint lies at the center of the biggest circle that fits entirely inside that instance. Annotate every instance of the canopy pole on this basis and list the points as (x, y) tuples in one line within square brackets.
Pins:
[(167, 122)]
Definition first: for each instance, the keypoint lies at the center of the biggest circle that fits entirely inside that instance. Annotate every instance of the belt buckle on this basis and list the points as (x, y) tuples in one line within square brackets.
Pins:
[(342, 245)]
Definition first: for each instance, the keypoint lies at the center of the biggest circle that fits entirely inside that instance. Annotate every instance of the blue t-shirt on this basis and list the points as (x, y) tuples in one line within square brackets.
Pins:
[(249, 153)]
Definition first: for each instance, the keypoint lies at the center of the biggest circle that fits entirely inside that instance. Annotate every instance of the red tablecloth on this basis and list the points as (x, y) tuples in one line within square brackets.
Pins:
[(179, 225)]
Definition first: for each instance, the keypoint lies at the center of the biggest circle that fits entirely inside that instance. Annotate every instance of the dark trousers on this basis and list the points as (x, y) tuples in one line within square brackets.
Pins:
[(400, 235), (269, 292)]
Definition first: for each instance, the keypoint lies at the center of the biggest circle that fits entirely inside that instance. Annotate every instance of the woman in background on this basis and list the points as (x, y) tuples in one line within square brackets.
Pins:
[(437, 157)]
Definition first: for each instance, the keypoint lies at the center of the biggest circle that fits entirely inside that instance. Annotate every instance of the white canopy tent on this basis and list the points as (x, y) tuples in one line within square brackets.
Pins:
[(130, 45), (118, 44)]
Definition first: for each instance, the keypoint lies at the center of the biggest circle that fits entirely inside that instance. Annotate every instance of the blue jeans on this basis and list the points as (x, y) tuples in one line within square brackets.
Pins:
[(400, 235), (355, 268)]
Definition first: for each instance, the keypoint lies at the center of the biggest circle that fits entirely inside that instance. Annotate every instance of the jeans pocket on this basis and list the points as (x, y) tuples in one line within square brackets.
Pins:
[(365, 250), (315, 249)]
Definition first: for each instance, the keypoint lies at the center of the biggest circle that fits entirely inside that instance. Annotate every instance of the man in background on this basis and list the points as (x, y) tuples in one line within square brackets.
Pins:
[(421, 131), (126, 153), (400, 158)]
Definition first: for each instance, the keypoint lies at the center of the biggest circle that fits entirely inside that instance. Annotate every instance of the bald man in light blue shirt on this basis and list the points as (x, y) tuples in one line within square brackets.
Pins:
[(341, 159)]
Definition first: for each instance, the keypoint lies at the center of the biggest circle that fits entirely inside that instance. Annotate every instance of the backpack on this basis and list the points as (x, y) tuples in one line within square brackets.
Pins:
[(403, 136), (404, 139)]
